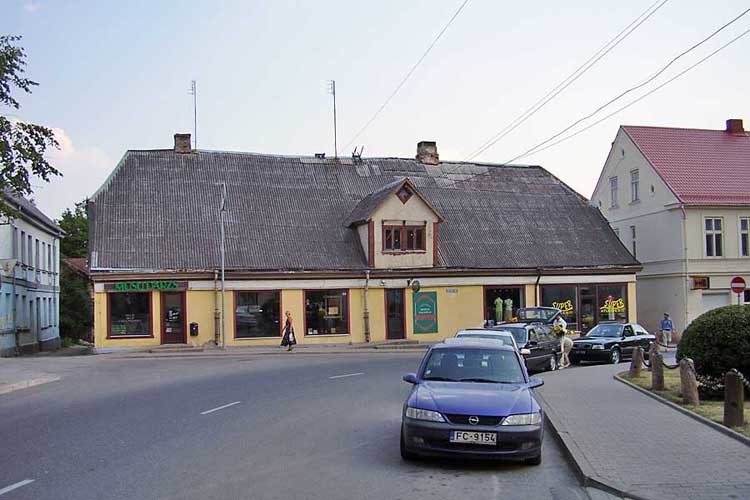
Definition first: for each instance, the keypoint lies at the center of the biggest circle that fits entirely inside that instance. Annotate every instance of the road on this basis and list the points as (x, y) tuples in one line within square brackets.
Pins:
[(263, 427)]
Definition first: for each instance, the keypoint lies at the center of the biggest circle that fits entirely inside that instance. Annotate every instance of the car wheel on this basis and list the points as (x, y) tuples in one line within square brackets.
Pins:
[(537, 460), (406, 454), (552, 363), (615, 356)]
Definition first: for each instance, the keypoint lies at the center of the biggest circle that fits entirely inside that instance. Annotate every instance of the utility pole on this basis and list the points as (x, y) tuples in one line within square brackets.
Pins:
[(194, 92), (332, 91), (223, 210)]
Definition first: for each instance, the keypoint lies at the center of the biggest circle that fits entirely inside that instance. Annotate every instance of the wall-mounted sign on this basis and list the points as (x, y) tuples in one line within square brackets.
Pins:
[(451, 290), (425, 312), (701, 283), (146, 286), (566, 306), (613, 305)]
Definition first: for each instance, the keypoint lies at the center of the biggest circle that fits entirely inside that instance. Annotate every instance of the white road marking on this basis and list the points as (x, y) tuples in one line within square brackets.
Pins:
[(15, 486), (347, 375), (219, 408)]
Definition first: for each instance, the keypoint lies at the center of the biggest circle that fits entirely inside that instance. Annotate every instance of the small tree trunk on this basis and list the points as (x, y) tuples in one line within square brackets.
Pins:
[(657, 371), (636, 364), (734, 400), (688, 383)]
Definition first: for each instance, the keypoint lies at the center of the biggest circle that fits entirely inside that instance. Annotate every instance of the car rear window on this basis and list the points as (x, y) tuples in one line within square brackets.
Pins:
[(480, 365), (505, 339)]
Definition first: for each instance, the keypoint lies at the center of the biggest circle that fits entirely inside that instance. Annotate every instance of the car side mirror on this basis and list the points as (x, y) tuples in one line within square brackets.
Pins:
[(533, 342), (535, 382), (410, 378), (525, 352)]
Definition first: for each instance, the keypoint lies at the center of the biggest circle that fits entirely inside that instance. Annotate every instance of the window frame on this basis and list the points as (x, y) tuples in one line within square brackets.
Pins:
[(746, 234), (713, 233), (403, 231), (613, 192), (282, 319), (633, 241), (635, 186), (348, 312), (150, 318)]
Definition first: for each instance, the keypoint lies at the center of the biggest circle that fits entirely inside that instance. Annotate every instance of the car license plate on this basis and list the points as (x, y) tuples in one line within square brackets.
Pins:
[(486, 438)]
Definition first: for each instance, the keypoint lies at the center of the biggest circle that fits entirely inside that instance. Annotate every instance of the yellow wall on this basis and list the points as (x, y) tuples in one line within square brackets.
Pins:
[(455, 311), (632, 304), (100, 324)]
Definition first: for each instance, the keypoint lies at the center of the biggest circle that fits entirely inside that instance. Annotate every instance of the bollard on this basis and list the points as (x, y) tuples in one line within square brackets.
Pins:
[(688, 382), (651, 350), (657, 371), (734, 400), (636, 364)]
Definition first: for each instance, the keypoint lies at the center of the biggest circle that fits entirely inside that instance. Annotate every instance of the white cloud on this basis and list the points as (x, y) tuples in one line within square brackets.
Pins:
[(31, 6)]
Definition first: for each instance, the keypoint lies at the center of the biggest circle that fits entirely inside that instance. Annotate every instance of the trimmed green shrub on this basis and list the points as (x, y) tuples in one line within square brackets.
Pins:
[(718, 341)]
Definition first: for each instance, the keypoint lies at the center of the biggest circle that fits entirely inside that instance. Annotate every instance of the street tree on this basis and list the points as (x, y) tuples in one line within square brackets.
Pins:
[(76, 226), (22, 145)]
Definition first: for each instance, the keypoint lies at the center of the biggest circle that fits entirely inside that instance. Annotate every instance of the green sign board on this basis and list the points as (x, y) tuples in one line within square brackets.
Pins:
[(146, 286), (425, 312)]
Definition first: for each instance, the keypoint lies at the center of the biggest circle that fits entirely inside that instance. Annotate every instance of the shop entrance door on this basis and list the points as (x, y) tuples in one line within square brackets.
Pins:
[(173, 318), (588, 310), (394, 314)]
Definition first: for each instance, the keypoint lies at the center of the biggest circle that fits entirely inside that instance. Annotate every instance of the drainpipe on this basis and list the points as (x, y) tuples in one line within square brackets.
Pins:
[(366, 314), (684, 264), (15, 311), (216, 307), (536, 286)]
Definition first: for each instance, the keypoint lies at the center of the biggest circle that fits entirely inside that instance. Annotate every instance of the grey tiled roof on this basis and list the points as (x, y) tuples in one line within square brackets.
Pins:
[(160, 211), (27, 208)]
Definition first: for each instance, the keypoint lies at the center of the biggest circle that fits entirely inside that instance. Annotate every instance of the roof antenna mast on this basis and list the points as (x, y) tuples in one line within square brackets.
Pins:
[(332, 91), (194, 92)]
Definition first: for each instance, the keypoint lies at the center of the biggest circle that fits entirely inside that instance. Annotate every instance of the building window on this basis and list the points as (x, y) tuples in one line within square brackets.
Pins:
[(502, 303), (714, 247), (634, 195), (15, 243), (36, 253), (745, 237), (129, 314), (404, 238), (23, 247), (30, 251), (565, 298), (326, 312), (404, 194), (632, 240), (257, 314), (613, 191)]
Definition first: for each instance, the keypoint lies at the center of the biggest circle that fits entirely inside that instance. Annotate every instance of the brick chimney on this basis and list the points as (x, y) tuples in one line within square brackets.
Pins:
[(182, 143), (734, 126), (427, 153)]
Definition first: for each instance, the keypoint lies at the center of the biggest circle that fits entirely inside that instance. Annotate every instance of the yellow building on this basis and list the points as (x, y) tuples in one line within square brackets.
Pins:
[(356, 249)]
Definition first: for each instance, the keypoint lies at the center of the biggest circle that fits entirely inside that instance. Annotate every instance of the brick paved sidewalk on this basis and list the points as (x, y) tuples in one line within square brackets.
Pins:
[(631, 442)]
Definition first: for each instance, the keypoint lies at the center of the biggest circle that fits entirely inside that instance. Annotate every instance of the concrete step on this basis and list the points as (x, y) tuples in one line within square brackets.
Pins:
[(176, 348)]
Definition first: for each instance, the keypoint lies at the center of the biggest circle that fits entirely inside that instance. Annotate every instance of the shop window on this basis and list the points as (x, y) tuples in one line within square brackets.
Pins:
[(612, 303), (713, 237), (403, 238), (326, 312), (502, 303), (129, 314), (565, 298), (257, 314)]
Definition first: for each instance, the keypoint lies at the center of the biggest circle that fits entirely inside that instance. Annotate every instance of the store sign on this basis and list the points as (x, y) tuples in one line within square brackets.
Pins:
[(701, 283), (566, 307), (425, 312), (613, 306), (146, 286)]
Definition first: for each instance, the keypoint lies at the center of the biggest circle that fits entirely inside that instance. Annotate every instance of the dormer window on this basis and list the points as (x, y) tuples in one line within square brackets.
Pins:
[(404, 238), (404, 193)]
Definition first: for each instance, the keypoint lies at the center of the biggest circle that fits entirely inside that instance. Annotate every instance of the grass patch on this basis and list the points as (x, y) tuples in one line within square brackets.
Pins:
[(712, 410), (67, 341)]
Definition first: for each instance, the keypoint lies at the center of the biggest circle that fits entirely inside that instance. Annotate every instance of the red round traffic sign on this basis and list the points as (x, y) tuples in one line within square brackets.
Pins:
[(738, 284)]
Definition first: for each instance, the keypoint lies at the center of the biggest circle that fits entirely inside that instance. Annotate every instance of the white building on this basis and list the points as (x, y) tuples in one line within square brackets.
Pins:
[(29, 280), (679, 199)]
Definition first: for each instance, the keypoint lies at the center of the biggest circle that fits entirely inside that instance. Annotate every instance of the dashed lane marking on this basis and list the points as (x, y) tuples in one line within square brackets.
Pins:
[(219, 408), (15, 486), (346, 375)]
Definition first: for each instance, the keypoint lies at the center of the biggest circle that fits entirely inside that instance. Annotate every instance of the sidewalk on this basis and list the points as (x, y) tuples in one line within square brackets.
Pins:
[(630, 443), (15, 375)]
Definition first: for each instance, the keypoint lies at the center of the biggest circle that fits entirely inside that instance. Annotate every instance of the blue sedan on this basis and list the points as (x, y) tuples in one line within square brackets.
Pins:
[(472, 399)]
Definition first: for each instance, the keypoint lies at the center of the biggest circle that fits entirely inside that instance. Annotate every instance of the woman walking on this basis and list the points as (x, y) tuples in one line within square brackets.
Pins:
[(288, 338)]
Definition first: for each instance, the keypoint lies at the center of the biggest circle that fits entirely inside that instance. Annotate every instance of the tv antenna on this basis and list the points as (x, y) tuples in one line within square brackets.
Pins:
[(194, 92), (332, 91)]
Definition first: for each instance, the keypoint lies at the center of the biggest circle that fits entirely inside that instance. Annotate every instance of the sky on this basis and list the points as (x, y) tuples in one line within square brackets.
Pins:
[(115, 76)]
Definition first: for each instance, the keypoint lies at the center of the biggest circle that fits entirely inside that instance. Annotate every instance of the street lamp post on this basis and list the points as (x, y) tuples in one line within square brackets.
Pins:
[(222, 214)]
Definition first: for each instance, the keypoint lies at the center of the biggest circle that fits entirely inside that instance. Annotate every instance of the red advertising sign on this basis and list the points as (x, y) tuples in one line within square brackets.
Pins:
[(738, 285)]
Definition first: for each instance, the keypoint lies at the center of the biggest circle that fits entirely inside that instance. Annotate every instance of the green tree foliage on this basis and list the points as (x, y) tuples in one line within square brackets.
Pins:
[(718, 341), (22, 145), (76, 308), (76, 226)]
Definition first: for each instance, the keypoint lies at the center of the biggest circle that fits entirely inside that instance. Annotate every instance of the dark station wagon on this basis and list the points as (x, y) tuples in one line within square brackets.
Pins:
[(610, 342)]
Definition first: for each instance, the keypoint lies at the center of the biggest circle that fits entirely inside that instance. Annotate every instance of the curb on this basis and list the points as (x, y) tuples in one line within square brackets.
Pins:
[(717, 426), (6, 388), (236, 355), (581, 466)]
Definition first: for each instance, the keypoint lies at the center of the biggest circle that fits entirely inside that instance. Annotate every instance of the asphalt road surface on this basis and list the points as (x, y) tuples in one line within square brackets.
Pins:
[(267, 427)]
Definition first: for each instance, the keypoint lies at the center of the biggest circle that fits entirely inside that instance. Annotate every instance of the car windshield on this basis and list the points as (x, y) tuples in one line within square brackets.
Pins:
[(505, 339), (519, 333), (464, 364), (605, 331)]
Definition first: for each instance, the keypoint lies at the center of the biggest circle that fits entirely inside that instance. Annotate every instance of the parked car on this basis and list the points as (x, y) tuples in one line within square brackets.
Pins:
[(472, 399), (611, 342), (483, 333), (545, 315), (536, 343)]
